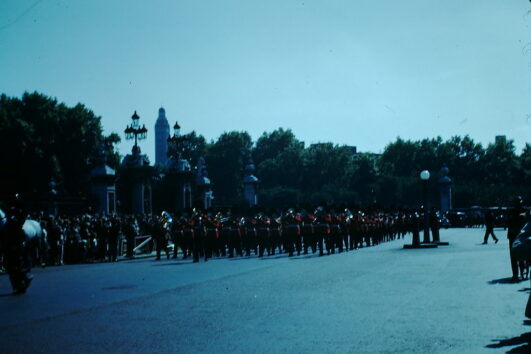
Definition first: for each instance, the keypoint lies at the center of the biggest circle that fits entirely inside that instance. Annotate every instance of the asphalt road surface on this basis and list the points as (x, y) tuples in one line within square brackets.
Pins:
[(383, 299)]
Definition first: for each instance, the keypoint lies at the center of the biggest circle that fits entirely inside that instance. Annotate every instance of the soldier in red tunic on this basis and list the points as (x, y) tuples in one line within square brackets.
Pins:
[(198, 236), (262, 229), (275, 235), (308, 236), (188, 236), (212, 236), (290, 231), (321, 228), (234, 240)]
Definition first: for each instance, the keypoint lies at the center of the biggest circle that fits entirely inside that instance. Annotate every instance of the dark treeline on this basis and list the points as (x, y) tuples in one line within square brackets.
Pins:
[(44, 140), (292, 173)]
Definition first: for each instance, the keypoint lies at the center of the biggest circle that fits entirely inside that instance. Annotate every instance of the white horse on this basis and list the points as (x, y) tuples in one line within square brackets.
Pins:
[(35, 237)]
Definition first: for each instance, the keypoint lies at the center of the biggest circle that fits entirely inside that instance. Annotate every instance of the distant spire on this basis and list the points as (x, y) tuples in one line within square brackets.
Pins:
[(162, 113), (162, 130)]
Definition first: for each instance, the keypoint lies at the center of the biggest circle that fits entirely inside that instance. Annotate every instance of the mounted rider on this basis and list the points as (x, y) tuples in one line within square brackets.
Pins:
[(15, 247)]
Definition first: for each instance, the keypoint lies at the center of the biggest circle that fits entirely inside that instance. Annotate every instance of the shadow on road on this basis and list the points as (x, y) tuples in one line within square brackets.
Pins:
[(239, 258), (268, 258), (508, 280), (305, 256), (170, 264), (138, 261), (523, 340)]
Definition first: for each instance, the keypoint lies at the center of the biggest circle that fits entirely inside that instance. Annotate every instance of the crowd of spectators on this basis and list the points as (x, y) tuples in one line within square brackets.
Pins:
[(90, 238)]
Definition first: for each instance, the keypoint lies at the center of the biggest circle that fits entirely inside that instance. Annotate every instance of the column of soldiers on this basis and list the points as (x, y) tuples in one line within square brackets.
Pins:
[(203, 235)]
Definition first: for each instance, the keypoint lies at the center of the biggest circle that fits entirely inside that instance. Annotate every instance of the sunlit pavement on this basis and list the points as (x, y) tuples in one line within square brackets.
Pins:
[(456, 298)]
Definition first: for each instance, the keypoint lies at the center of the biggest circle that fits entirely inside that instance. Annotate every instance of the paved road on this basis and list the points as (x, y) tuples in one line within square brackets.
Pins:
[(454, 299)]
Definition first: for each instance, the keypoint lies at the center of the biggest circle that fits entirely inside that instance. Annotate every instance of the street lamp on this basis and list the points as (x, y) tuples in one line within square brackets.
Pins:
[(425, 177), (176, 140), (135, 131)]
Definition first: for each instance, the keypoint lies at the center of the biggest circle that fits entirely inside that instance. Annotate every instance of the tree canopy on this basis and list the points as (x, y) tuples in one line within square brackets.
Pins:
[(43, 140)]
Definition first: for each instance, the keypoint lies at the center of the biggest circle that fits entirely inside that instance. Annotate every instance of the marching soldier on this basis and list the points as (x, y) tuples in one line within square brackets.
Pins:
[(275, 235), (160, 233), (321, 228), (235, 239), (291, 232), (336, 239), (263, 234), (224, 233), (308, 233), (188, 236), (212, 236), (176, 232), (199, 237), (248, 232)]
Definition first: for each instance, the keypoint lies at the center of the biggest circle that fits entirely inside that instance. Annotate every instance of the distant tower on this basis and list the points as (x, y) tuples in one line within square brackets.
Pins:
[(162, 132)]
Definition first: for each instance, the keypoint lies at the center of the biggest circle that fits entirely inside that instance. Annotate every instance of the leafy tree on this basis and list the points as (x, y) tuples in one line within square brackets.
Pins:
[(278, 157), (525, 164), (398, 158), (500, 163), (279, 197), (44, 140), (188, 146), (324, 164), (226, 160)]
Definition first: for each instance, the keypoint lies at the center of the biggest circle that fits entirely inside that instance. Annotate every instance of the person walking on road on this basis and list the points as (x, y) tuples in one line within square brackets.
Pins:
[(489, 227)]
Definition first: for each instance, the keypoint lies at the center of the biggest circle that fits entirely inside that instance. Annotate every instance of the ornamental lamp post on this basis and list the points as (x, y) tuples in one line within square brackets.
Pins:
[(175, 140), (425, 177), (134, 131)]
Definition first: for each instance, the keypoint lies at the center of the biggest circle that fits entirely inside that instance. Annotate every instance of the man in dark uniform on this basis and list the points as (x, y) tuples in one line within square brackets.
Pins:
[(224, 233), (321, 229), (275, 235), (263, 233), (514, 225), (211, 236), (161, 234), (198, 249), (489, 227), (15, 248), (291, 232), (176, 230), (435, 225), (188, 236), (234, 241), (307, 231)]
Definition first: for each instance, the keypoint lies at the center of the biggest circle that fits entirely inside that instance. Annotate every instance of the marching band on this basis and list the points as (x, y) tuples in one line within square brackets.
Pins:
[(206, 235)]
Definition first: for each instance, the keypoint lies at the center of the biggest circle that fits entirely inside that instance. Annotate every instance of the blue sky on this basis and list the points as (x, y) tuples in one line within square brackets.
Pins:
[(350, 72)]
